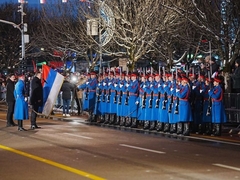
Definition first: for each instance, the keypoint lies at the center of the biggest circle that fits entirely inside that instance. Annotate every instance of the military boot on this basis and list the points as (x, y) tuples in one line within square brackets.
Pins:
[(106, 119), (93, 118), (218, 130), (112, 119), (179, 128), (134, 123), (117, 122), (152, 125), (102, 119), (122, 121), (208, 128), (186, 131), (159, 126), (128, 122), (173, 128), (20, 126), (166, 127), (146, 125)]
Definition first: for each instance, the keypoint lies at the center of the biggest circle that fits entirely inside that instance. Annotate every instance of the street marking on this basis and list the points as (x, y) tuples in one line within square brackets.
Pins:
[(84, 137), (227, 167), (58, 165), (230, 142), (143, 149)]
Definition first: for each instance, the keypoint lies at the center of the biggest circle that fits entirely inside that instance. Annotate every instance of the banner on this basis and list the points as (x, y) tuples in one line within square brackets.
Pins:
[(52, 83)]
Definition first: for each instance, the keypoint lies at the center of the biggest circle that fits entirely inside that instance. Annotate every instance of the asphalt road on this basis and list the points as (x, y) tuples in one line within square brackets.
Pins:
[(63, 150)]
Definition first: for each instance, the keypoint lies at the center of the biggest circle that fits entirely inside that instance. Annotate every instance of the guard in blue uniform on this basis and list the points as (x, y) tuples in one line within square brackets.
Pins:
[(119, 90), (141, 100), (171, 94), (156, 101), (218, 110), (185, 113), (125, 100), (103, 97), (206, 119), (90, 95), (164, 99), (21, 106), (149, 102), (98, 110), (131, 117)]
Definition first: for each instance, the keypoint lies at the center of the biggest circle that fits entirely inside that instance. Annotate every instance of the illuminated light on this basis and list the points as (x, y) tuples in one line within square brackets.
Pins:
[(64, 1), (42, 1), (20, 1), (74, 79)]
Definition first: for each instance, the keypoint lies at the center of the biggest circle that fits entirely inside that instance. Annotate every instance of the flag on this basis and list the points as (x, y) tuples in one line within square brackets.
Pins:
[(34, 66), (52, 82)]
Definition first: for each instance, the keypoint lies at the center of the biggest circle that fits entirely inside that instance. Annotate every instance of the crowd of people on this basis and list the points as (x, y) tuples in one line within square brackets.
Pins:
[(173, 102), (170, 101)]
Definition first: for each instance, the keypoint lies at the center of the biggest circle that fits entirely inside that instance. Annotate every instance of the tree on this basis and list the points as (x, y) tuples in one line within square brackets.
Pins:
[(217, 21), (10, 41)]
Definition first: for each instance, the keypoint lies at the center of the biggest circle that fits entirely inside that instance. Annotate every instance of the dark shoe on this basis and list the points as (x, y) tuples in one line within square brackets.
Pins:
[(37, 127), (21, 129), (9, 125)]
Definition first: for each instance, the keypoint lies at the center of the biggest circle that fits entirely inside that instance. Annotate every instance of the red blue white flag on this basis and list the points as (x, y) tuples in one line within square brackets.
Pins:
[(52, 82)]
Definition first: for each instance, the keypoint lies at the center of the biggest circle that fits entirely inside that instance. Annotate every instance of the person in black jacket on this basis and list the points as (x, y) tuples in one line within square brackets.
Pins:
[(10, 99), (36, 98), (66, 89), (236, 76)]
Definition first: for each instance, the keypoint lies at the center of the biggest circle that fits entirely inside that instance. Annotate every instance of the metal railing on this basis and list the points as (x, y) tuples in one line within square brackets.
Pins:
[(232, 107)]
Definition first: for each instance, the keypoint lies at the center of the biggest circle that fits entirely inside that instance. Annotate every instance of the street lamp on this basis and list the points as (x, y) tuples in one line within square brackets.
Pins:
[(22, 27)]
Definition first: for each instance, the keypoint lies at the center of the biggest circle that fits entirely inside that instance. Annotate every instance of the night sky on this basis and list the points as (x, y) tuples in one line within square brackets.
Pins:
[(16, 1)]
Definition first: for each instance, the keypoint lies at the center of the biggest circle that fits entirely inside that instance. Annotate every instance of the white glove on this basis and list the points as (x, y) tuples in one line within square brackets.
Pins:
[(99, 84), (136, 102), (159, 85), (193, 87), (171, 89), (121, 85), (144, 86), (177, 90), (109, 83), (208, 90), (127, 85), (201, 90), (26, 99), (151, 85), (104, 84), (87, 82), (115, 85), (164, 85)]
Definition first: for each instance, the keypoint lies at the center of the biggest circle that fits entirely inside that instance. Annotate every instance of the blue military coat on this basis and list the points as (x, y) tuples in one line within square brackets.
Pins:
[(21, 106), (185, 112), (218, 110)]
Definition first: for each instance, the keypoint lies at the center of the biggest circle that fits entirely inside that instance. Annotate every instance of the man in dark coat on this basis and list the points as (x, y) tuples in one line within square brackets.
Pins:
[(66, 90), (236, 76), (10, 99), (36, 98)]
